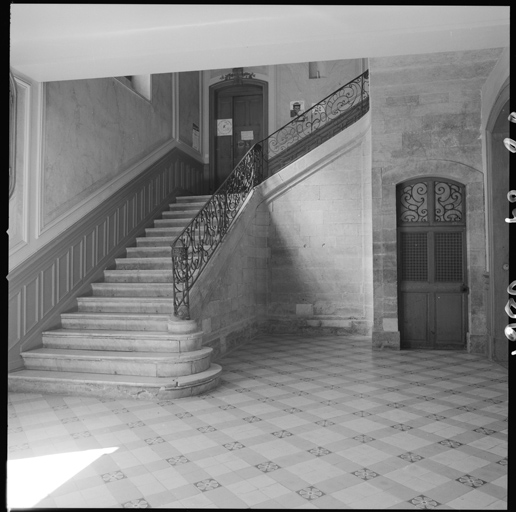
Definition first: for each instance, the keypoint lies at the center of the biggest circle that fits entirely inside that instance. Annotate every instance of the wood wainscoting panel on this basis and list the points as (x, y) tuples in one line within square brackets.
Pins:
[(47, 283)]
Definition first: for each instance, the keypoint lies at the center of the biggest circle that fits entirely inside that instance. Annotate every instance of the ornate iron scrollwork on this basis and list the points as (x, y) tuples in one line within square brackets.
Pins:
[(448, 202), (197, 242), (343, 100), (193, 248), (237, 75), (413, 202)]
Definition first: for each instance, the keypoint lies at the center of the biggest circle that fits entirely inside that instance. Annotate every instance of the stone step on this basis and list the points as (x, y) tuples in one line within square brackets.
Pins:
[(171, 223), (149, 252), (185, 207), (138, 276), (152, 252), (148, 263), (117, 321), (184, 215), (126, 304), (114, 386), (193, 199), (121, 340), (171, 231), (149, 364), (155, 241), (132, 289)]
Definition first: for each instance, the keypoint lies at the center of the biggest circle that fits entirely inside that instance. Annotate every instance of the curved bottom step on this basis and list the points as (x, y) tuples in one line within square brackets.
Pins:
[(114, 386)]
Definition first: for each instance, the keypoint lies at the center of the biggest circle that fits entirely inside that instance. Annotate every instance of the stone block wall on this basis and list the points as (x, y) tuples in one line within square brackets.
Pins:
[(228, 300), (426, 121), (320, 270), (298, 255)]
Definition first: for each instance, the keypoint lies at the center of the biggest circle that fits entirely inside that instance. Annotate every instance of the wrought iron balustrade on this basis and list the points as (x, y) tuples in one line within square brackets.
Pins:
[(193, 248), (343, 106), (198, 241)]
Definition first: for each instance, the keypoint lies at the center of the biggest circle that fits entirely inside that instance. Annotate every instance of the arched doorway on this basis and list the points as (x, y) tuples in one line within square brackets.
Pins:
[(498, 184), (432, 277), (238, 119)]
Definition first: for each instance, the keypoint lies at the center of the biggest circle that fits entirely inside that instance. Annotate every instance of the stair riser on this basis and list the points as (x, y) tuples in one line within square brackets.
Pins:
[(149, 252), (192, 199), (185, 207), (116, 367), (111, 307), (171, 223), (132, 290), (168, 231), (103, 306), (143, 264), (123, 345), (114, 276), (114, 324), (110, 390), (153, 232), (185, 215), (141, 278), (162, 242)]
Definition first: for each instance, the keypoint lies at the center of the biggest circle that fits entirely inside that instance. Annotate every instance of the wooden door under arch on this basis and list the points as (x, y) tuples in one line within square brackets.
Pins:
[(238, 121), (432, 285)]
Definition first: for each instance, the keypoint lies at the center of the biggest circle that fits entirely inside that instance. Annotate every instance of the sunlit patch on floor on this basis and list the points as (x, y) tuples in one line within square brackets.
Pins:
[(31, 479)]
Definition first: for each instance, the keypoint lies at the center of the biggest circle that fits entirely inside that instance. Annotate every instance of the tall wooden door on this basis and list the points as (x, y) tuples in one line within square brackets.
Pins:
[(237, 125), (432, 264)]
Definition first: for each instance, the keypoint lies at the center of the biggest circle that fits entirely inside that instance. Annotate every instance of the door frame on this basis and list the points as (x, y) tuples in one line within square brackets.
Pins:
[(385, 293), (213, 91), (433, 289), (501, 100)]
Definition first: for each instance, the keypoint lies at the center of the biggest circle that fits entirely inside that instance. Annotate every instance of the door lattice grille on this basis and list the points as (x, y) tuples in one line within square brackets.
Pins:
[(448, 257), (414, 257)]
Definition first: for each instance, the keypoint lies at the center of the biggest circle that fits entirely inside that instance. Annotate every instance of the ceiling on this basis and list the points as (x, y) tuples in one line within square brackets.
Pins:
[(51, 42)]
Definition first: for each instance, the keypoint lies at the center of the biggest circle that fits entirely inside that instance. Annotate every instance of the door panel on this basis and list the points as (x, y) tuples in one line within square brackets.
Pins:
[(414, 322), (223, 143), (247, 114), (448, 320)]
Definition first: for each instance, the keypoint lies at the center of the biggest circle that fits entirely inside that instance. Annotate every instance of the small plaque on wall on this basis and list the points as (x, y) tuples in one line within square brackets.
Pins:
[(224, 127), (249, 135)]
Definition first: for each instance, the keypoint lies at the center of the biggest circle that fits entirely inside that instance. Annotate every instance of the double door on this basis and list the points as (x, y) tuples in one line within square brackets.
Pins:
[(237, 125), (433, 291)]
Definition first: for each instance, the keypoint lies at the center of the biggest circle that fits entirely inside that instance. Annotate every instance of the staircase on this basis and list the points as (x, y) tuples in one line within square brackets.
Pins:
[(122, 341)]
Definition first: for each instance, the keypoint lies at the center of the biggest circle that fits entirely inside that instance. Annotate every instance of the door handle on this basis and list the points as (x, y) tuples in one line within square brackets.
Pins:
[(464, 288)]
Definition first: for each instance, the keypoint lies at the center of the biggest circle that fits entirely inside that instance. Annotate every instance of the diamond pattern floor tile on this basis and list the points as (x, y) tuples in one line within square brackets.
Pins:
[(297, 422)]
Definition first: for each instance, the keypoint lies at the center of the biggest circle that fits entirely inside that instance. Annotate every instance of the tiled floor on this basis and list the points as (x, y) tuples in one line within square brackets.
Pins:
[(298, 422)]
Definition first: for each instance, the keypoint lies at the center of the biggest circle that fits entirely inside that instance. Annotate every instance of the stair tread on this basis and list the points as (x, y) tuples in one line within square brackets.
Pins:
[(94, 298), (115, 379), (160, 316), (187, 199), (113, 354), (132, 284), (113, 333), (144, 258), (140, 270)]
